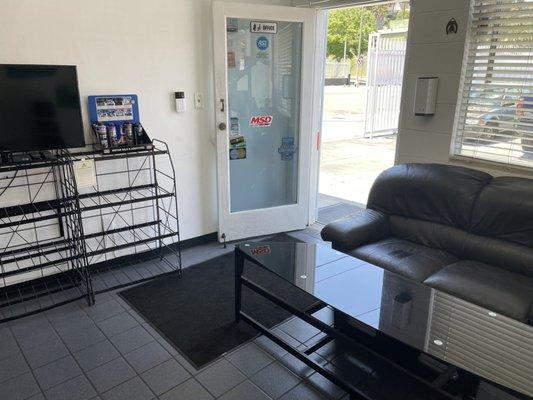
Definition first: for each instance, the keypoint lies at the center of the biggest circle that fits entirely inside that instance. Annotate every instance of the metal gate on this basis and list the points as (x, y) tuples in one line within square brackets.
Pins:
[(386, 56)]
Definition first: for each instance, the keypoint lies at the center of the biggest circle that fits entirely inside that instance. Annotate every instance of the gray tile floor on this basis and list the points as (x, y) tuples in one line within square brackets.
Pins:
[(108, 352)]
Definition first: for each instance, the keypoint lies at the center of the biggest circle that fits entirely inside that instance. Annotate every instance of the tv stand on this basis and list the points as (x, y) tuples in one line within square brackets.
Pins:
[(61, 243)]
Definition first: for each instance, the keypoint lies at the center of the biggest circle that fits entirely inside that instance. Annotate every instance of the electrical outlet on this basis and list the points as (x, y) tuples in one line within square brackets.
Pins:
[(198, 100)]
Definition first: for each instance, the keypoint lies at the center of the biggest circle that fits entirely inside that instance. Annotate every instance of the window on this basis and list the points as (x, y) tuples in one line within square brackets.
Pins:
[(494, 117)]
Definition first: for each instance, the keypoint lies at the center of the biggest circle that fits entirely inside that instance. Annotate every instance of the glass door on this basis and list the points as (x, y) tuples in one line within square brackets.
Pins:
[(263, 139)]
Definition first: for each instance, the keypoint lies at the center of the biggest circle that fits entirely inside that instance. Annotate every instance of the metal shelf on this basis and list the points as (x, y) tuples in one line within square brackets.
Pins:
[(39, 270)]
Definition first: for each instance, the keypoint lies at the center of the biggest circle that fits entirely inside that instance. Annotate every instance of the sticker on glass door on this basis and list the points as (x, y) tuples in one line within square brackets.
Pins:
[(263, 27), (261, 120)]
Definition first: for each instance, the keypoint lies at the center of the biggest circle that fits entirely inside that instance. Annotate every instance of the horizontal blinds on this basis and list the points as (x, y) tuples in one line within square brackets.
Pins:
[(327, 4), (494, 119), (493, 346)]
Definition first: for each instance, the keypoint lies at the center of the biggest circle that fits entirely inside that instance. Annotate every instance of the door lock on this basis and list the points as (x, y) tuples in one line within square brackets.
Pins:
[(222, 126)]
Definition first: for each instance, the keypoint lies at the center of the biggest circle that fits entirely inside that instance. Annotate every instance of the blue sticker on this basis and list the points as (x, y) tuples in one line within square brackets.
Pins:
[(262, 43)]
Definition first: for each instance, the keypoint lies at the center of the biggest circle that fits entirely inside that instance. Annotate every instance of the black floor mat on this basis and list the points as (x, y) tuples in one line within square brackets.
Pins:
[(196, 313), (331, 213)]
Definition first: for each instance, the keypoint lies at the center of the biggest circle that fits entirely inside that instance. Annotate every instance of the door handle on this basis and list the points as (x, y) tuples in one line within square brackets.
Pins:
[(222, 126), (222, 106)]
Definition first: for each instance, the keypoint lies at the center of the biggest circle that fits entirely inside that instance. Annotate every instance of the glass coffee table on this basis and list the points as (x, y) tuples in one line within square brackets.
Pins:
[(398, 339)]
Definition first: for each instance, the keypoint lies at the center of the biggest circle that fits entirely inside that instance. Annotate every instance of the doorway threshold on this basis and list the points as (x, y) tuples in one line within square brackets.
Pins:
[(331, 208)]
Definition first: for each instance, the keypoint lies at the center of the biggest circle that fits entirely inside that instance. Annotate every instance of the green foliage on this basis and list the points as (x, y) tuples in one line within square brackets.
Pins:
[(343, 25)]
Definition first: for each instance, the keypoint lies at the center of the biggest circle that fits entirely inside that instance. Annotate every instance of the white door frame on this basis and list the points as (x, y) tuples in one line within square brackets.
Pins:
[(275, 219), (321, 34)]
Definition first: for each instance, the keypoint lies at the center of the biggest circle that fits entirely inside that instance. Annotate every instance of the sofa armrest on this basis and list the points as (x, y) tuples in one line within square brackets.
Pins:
[(364, 227)]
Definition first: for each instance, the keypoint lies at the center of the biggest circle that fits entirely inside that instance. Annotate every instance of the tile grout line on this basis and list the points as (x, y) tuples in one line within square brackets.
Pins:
[(27, 363), (70, 353)]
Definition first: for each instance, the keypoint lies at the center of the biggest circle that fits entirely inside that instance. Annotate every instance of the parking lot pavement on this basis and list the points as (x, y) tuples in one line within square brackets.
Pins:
[(348, 168)]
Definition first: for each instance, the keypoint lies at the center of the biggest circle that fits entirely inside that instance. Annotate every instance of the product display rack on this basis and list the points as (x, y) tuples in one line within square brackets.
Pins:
[(69, 242), (131, 210), (41, 257)]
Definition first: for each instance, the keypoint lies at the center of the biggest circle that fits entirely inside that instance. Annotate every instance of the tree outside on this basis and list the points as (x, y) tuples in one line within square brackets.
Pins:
[(346, 26)]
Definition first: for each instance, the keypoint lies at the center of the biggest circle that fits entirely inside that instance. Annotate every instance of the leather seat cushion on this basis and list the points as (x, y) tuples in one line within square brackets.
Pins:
[(409, 259), (490, 287)]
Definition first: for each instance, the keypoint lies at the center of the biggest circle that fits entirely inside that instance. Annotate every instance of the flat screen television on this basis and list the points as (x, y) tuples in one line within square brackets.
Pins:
[(39, 108)]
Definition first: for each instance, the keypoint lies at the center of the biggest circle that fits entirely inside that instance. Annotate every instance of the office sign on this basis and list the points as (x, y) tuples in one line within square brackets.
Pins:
[(263, 27)]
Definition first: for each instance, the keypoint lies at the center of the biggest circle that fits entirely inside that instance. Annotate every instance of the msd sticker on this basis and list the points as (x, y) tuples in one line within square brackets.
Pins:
[(261, 250), (261, 120)]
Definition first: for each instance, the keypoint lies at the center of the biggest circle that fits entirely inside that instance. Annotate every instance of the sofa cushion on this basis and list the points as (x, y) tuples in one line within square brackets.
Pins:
[(429, 234), (406, 258), (499, 253), (504, 210), (438, 193), (487, 286)]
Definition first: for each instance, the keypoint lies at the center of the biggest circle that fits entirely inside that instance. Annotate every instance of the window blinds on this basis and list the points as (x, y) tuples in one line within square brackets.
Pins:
[(328, 4), (494, 117)]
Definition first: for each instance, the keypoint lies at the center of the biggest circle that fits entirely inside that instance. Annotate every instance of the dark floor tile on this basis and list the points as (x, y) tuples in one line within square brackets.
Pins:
[(168, 347), (43, 354), (303, 391), (8, 344), (29, 324), (299, 330), (110, 375), (19, 388), (12, 366), (131, 339), (249, 359), (165, 376), (245, 391), (220, 377), (275, 380), (298, 367), (147, 356), (57, 372), (38, 396), (78, 388), (75, 323), (186, 364), (82, 338), (188, 390), (117, 324), (134, 389), (104, 310), (325, 386), (96, 355), (272, 348)]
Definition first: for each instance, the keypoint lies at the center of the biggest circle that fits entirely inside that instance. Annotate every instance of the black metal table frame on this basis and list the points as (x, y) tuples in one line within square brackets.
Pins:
[(331, 333)]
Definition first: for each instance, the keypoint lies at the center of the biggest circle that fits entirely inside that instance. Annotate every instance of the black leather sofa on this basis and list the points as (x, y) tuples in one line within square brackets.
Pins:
[(456, 229)]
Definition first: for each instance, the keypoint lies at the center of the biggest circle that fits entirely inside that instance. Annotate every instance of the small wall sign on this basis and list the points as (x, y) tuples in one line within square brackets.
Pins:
[(263, 27), (452, 26)]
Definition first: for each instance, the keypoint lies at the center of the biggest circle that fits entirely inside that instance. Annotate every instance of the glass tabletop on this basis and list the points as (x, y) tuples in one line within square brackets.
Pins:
[(461, 333)]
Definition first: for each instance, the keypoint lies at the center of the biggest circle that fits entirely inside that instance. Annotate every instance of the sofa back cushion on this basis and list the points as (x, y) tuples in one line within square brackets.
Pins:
[(442, 194), (507, 255), (431, 234), (504, 210)]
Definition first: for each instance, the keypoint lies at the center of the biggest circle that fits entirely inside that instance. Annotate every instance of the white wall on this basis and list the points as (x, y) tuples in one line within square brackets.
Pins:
[(430, 52), (151, 48)]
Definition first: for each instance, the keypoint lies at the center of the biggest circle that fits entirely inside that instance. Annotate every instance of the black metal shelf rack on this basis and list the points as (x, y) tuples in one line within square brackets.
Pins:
[(64, 243)]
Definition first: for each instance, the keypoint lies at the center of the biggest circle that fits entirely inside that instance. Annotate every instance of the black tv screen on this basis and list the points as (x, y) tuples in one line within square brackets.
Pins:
[(39, 108)]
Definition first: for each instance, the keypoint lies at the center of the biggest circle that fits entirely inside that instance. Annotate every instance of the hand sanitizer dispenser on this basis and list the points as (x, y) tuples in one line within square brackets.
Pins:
[(426, 96)]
